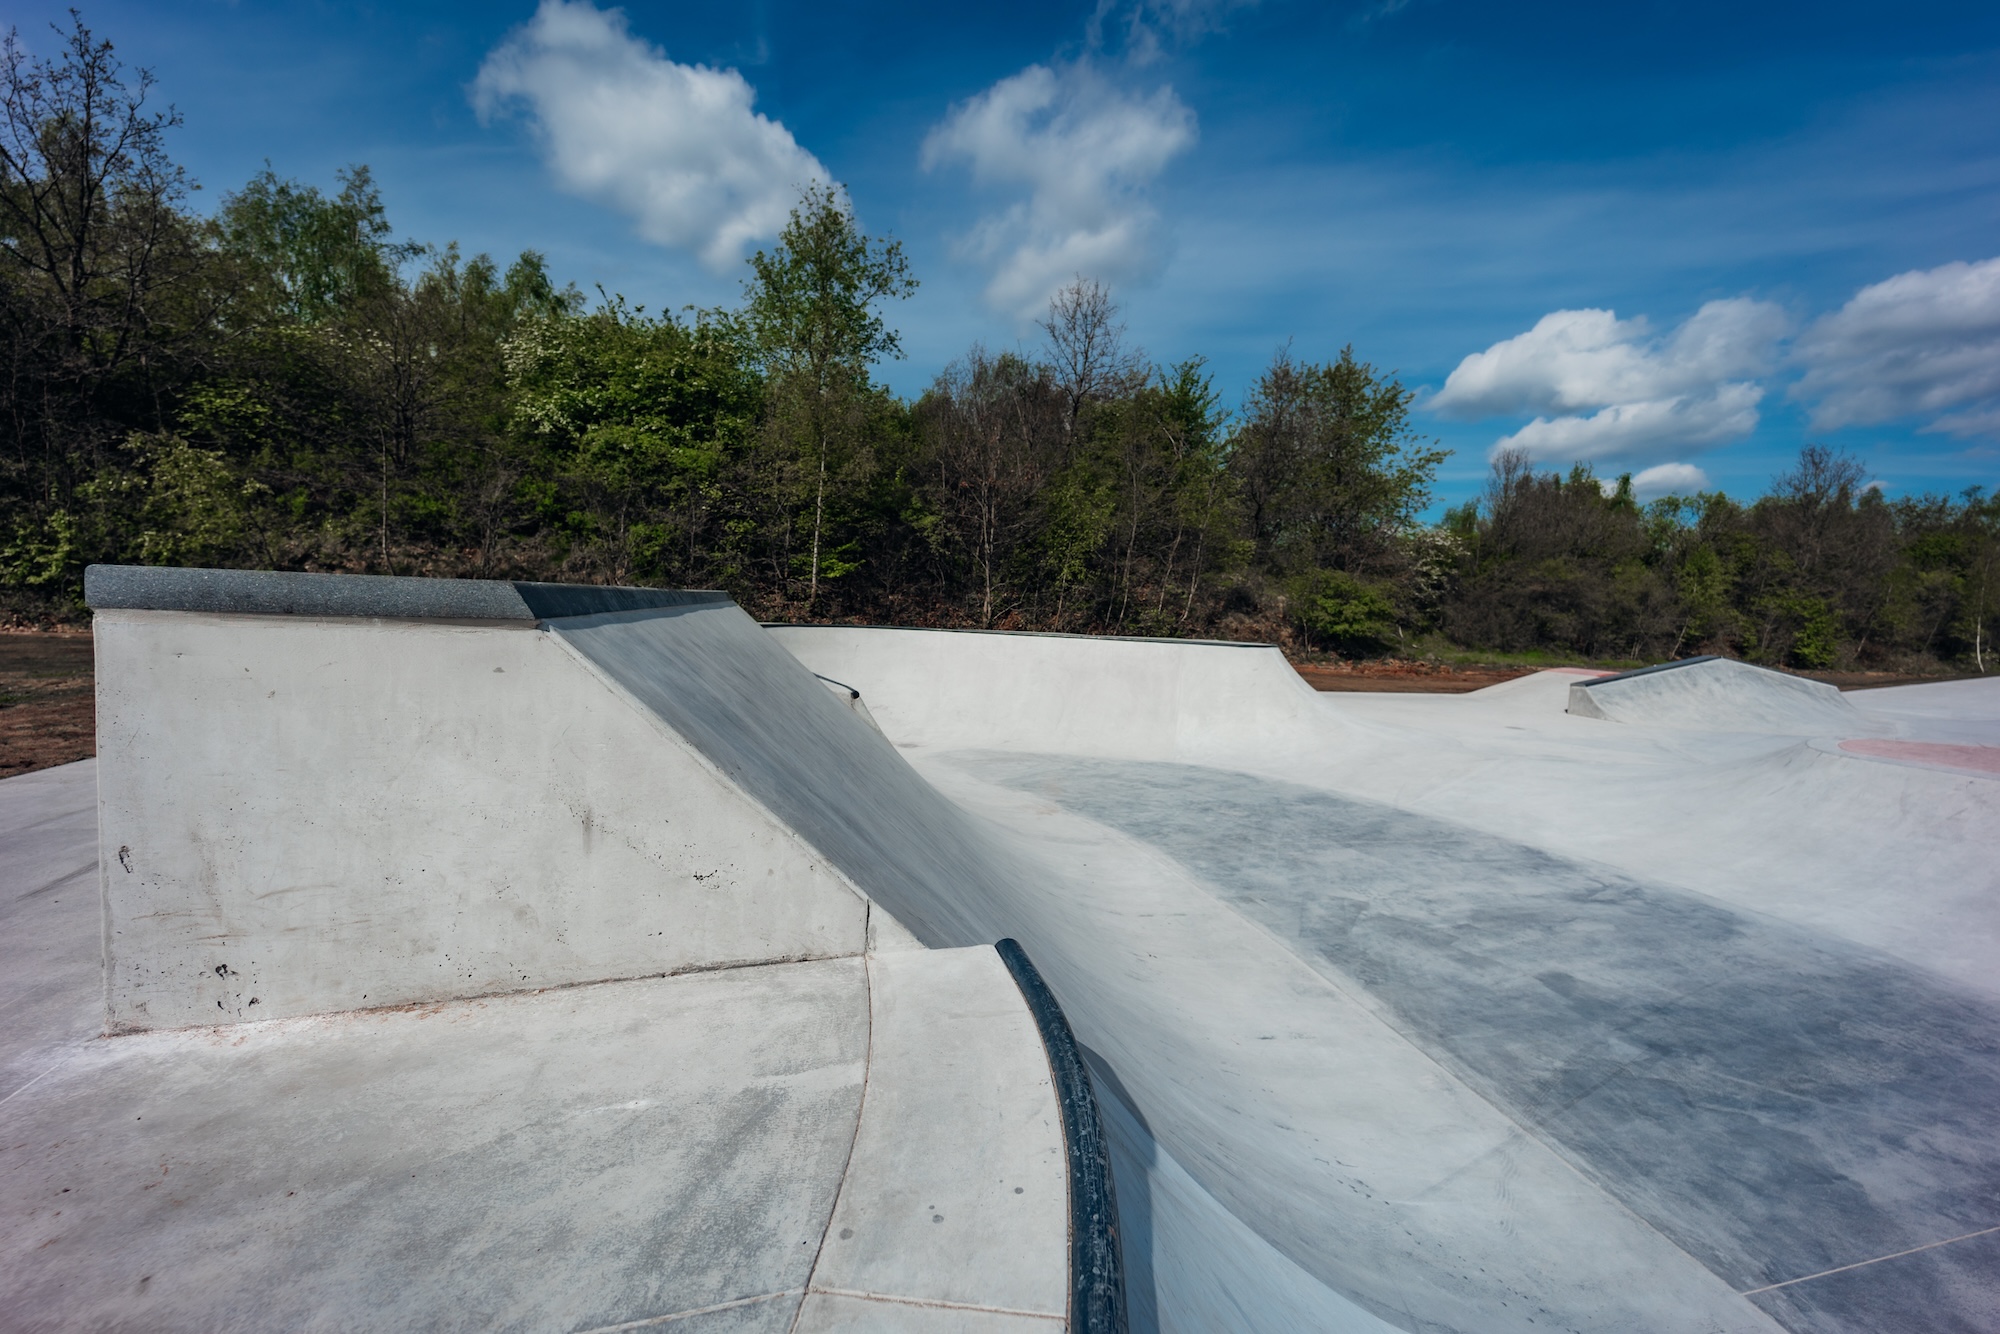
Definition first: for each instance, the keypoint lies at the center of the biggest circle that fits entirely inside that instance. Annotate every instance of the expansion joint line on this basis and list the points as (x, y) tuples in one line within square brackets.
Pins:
[(652, 1321), (1863, 1264), (860, 1110)]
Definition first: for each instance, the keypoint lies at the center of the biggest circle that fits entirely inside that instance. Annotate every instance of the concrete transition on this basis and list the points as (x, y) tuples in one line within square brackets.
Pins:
[(507, 955)]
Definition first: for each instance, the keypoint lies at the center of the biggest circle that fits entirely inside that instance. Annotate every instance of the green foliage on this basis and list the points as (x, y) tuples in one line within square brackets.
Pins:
[(284, 385), (1336, 609), (811, 312), (1328, 465), (309, 257)]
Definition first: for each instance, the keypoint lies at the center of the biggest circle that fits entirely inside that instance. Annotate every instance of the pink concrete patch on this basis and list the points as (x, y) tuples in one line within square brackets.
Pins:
[(1978, 759)]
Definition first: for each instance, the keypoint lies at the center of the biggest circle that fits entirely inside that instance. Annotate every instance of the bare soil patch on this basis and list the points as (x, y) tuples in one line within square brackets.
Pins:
[(48, 702), (1405, 676)]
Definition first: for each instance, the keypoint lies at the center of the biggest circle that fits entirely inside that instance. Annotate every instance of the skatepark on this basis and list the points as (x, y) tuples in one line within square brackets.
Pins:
[(488, 955)]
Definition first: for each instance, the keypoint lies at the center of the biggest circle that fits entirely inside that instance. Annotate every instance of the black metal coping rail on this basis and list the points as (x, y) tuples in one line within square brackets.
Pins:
[(1096, 1264)]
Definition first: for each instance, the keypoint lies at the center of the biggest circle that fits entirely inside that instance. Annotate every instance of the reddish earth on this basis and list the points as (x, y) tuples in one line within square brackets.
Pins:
[(48, 713), (1404, 676)]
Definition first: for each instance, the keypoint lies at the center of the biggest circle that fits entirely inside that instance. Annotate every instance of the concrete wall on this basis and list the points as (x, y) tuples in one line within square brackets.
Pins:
[(1068, 693), (305, 814)]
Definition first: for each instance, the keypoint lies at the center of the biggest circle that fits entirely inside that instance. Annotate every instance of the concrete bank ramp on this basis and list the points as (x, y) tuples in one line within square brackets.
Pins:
[(1069, 694), (1720, 695), (504, 956)]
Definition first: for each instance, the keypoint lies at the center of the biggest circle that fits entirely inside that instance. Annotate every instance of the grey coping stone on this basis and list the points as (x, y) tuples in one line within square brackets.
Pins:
[(291, 593)]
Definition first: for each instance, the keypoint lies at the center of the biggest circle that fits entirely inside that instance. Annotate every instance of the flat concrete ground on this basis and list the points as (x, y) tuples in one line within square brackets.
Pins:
[(50, 953), (687, 1150)]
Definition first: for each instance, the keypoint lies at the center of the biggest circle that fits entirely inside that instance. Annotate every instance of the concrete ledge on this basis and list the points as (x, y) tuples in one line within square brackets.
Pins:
[(286, 593), (305, 814)]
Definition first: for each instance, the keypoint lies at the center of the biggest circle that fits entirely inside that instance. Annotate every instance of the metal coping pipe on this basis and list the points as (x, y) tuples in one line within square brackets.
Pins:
[(852, 693), (1096, 1264)]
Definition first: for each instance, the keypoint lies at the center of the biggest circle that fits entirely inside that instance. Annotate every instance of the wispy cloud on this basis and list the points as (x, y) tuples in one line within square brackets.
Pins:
[(1078, 151), (1926, 342), (1607, 389), (678, 148), (1145, 29)]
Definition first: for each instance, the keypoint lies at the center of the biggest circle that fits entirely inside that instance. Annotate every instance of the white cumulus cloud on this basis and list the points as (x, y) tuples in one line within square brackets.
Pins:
[(1925, 342), (1077, 152), (1648, 428), (678, 148), (1575, 360), (1669, 479), (1608, 389)]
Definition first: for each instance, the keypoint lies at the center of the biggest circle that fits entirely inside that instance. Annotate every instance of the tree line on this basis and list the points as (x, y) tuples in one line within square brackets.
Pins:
[(280, 383)]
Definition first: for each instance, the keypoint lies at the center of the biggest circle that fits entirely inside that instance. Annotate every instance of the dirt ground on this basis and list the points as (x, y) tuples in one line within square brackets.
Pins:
[(1403, 676), (47, 702)]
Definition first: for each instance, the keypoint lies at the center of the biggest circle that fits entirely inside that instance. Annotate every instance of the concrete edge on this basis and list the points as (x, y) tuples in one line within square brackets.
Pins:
[(295, 593), (1581, 705), (1656, 667), (1096, 1260), (1022, 634)]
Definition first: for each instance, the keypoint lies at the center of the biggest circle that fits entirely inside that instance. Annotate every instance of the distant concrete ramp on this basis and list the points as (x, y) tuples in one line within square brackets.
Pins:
[(1712, 694), (1067, 694)]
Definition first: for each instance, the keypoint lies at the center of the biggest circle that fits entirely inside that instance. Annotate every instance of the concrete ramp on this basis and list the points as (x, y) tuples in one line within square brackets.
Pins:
[(1068, 694), (805, 754), (1719, 695), (507, 956)]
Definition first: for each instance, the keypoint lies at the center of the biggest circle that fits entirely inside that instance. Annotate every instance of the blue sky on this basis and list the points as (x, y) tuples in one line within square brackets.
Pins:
[(1679, 240)]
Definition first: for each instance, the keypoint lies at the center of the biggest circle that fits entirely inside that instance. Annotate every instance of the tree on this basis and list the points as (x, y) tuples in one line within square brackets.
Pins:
[(992, 431), (98, 269), (1330, 466), (310, 257), (812, 313), (1086, 345), (638, 418), (1557, 561)]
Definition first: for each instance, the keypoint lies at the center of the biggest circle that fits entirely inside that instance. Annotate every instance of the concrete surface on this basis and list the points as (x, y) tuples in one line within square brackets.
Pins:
[(1461, 1012), (960, 1147), (1148, 698), (442, 872), (1417, 1013), (525, 1162), (581, 1158), (1718, 695), (50, 951), (304, 814)]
